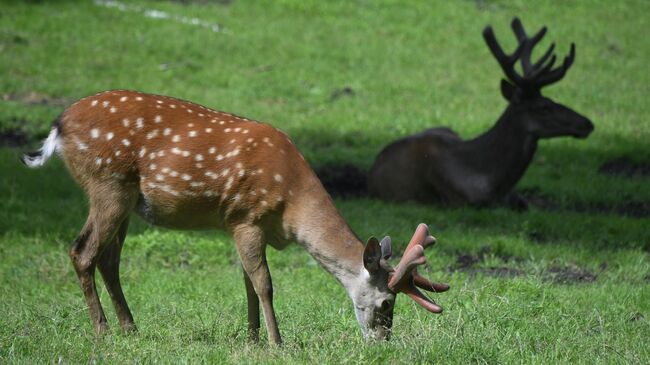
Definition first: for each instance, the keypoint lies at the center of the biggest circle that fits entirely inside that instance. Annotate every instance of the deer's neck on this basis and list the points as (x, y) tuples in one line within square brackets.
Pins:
[(317, 225), (503, 153)]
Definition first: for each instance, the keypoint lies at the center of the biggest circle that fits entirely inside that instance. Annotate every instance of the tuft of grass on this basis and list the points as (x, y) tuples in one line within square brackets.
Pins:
[(343, 79)]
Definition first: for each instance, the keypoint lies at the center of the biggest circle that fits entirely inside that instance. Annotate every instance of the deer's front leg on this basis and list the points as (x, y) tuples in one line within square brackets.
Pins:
[(251, 249)]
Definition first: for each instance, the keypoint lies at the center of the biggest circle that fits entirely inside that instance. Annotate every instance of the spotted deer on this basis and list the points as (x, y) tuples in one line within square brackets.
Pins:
[(181, 165), (437, 166)]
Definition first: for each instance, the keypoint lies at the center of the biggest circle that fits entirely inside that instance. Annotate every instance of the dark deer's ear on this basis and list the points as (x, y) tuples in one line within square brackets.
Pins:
[(372, 255), (507, 90)]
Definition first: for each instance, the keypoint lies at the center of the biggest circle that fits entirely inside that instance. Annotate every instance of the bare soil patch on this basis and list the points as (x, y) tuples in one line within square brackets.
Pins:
[(558, 274), (569, 274), (13, 138), (36, 98), (629, 208), (625, 167)]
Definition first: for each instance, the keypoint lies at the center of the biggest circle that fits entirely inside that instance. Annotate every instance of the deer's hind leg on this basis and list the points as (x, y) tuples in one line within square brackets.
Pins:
[(109, 267), (110, 204)]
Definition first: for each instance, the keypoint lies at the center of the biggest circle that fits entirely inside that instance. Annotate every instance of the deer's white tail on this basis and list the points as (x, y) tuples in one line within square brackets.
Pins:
[(50, 145)]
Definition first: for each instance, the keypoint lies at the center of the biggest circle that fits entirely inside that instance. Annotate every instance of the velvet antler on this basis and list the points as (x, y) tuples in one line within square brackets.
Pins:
[(535, 75), (405, 277)]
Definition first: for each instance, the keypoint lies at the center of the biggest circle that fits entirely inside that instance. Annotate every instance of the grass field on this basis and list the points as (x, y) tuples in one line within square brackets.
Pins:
[(564, 285)]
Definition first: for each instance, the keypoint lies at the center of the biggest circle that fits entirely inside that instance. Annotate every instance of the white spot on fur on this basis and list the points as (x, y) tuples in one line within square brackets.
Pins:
[(176, 138), (138, 98), (113, 109), (160, 177), (118, 152), (196, 184), (161, 153), (139, 123), (229, 182), (186, 153), (173, 173), (142, 151), (124, 98), (198, 157), (186, 177), (227, 130), (109, 136), (173, 106), (93, 103), (105, 104), (176, 151), (157, 119), (192, 133), (208, 130), (109, 160), (98, 161), (94, 133), (278, 177), (225, 172), (167, 131), (152, 134), (212, 150), (125, 122), (126, 142), (152, 166), (219, 157)]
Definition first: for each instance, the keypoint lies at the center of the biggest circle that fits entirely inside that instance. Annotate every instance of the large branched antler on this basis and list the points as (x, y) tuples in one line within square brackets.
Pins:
[(405, 276), (535, 75)]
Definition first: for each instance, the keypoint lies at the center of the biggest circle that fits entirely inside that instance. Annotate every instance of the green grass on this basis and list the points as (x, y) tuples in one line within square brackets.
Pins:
[(411, 65)]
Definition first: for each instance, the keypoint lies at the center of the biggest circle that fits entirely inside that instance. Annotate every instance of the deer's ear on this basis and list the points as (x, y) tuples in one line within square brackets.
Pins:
[(386, 249), (372, 255), (507, 90)]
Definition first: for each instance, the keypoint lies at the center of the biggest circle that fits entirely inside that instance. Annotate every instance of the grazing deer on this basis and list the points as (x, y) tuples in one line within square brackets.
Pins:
[(181, 165), (436, 165)]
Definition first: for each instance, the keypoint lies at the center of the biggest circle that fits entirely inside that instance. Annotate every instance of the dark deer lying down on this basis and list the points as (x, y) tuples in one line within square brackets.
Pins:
[(436, 165), (181, 165)]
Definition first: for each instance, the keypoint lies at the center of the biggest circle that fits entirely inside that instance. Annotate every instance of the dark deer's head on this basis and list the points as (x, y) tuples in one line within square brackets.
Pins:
[(541, 116)]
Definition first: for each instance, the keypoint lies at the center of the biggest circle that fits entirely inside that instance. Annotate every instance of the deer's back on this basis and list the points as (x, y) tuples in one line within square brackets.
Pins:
[(182, 158), (411, 168)]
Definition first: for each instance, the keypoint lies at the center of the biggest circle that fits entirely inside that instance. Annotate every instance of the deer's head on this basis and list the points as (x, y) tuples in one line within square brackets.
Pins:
[(542, 117), (374, 296)]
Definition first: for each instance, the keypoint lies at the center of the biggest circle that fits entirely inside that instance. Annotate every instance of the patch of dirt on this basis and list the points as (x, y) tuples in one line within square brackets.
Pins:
[(625, 167), (13, 138), (630, 208), (339, 93), (570, 274), (465, 262), (36, 98), (203, 2), (637, 316), (345, 181)]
